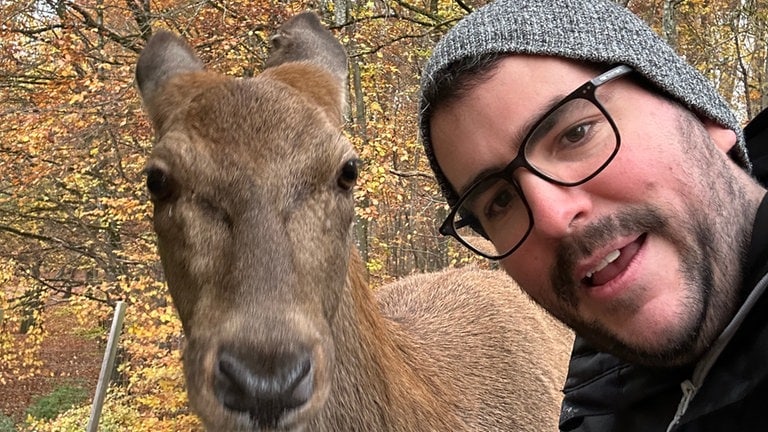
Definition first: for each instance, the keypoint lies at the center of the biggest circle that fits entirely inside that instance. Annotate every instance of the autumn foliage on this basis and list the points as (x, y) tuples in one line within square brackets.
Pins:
[(75, 228)]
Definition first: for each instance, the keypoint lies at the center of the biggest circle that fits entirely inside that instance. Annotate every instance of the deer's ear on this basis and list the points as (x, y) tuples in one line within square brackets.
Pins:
[(164, 56), (306, 56), (304, 38)]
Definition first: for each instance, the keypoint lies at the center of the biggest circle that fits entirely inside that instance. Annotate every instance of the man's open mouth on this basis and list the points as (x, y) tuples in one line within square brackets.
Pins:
[(613, 264)]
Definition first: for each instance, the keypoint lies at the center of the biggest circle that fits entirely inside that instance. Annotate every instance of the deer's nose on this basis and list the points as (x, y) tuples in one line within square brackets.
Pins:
[(264, 385)]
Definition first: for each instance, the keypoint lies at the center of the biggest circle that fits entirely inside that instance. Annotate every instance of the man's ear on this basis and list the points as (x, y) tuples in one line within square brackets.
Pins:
[(723, 137)]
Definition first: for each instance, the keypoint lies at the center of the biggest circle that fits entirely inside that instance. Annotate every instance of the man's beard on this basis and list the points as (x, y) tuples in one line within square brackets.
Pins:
[(694, 244)]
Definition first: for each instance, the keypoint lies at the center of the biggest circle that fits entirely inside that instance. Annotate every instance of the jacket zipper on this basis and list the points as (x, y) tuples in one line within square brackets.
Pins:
[(691, 386), (689, 391)]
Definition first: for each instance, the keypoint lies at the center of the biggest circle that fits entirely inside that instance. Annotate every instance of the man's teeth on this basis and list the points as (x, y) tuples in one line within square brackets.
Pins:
[(611, 257)]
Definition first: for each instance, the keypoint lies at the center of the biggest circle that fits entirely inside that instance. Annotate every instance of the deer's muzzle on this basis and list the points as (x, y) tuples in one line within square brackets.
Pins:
[(263, 385)]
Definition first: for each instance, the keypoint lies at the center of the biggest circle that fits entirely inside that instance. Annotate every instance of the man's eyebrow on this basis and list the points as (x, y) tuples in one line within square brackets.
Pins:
[(537, 116), (516, 140), (555, 117), (478, 177)]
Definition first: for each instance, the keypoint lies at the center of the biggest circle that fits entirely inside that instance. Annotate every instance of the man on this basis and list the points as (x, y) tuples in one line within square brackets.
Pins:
[(612, 182)]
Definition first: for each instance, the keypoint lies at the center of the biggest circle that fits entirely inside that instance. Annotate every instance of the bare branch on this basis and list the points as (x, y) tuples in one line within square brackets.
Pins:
[(411, 174), (128, 42)]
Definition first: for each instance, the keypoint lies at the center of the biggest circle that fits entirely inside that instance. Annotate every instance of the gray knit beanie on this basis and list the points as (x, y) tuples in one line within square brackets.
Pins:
[(591, 30)]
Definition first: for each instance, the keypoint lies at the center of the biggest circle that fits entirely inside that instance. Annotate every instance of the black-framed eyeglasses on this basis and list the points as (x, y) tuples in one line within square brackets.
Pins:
[(568, 146)]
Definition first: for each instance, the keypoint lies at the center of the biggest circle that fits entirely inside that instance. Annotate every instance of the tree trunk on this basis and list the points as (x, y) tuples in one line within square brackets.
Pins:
[(669, 21)]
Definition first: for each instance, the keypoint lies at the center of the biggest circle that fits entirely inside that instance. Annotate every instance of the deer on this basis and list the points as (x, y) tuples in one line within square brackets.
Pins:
[(252, 184)]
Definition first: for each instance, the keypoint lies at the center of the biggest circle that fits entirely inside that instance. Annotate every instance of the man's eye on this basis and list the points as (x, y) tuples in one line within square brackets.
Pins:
[(502, 200), (577, 133)]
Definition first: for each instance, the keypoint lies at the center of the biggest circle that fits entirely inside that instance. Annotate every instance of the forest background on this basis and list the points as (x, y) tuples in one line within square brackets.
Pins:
[(75, 221)]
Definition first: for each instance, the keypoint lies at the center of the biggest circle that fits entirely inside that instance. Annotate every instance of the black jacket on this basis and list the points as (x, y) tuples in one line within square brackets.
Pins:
[(756, 134), (729, 387)]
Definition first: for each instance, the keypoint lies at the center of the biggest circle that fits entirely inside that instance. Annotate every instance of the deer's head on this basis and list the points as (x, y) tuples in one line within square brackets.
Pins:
[(251, 181)]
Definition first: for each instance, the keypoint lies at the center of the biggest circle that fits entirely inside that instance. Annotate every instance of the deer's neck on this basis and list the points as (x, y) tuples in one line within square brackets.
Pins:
[(379, 370)]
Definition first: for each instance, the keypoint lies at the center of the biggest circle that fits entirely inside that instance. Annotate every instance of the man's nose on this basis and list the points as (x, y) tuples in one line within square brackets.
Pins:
[(557, 210)]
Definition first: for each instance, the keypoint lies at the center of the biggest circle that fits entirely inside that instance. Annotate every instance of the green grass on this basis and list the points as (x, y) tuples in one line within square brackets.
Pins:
[(57, 401), (6, 424)]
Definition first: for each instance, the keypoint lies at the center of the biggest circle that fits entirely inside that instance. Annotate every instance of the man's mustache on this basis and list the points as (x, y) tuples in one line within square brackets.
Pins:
[(581, 245)]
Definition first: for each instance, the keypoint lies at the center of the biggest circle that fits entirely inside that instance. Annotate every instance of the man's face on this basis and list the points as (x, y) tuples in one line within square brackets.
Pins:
[(644, 259)]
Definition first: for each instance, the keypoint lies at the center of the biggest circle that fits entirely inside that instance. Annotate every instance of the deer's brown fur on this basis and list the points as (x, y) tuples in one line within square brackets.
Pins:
[(251, 181)]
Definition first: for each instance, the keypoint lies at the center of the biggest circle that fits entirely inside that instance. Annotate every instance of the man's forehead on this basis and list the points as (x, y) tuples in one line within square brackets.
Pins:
[(525, 87)]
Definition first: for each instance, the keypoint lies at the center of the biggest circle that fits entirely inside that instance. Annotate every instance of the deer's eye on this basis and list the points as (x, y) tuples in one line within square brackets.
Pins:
[(348, 174), (159, 183)]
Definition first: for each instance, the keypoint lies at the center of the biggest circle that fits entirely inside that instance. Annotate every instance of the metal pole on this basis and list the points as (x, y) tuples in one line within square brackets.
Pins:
[(106, 367)]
